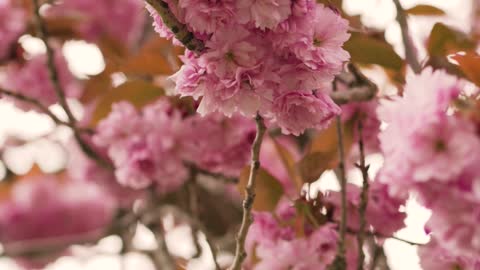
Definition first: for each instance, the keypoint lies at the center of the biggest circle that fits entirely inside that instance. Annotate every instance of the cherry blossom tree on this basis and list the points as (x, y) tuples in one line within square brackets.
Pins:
[(226, 116)]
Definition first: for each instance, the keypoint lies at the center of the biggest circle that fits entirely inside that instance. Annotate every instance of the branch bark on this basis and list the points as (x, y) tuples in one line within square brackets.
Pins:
[(340, 262), (410, 50), (179, 29), (54, 78), (240, 253), (363, 199)]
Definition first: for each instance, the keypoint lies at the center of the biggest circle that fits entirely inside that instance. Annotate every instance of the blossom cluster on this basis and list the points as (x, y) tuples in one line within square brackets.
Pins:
[(280, 241), (31, 78), (45, 209), (120, 20), (431, 149), (13, 23), (157, 145), (277, 58)]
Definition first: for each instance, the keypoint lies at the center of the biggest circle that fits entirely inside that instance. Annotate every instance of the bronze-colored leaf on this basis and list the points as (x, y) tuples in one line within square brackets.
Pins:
[(137, 92), (444, 40), (268, 189), (469, 63), (367, 49), (156, 57), (425, 10)]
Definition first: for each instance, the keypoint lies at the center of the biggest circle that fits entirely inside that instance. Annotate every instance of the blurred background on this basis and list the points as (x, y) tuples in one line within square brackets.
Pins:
[(45, 140)]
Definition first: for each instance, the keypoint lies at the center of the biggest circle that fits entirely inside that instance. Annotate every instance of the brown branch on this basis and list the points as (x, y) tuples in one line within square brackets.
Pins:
[(54, 78), (36, 104), (179, 29), (410, 50), (360, 88), (363, 199), (52, 71), (247, 219), (340, 262)]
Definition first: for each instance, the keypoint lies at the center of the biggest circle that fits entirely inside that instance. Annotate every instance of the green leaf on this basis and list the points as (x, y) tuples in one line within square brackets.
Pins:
[(370, 50), (445, 40), (268, 189), (137, 92), (425, 10)]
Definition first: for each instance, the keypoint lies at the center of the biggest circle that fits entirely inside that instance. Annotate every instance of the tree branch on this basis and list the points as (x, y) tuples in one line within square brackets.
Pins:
[(54, 78), (410, 50), (247, 219), (363, 199), (340, 262), (35, 103), (360, 88), (179, 29)]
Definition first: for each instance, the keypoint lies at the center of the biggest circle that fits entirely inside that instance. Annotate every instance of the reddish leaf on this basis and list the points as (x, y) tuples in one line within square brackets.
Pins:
[(470, 65), (268, 189), (425, 10)]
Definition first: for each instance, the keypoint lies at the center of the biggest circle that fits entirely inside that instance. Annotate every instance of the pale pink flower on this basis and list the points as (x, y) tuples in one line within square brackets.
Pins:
[(32, 79), (144, 152), (81, 168), (13, 22), (43, 210), (434, 256), (217, 143), (263, 13), (296, 111), (121, 20), (206, 16)]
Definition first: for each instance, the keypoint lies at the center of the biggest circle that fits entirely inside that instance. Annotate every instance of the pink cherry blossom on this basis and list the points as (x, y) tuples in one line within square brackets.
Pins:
[(296, 111), (217, 143), (121, 20), (12, 24), (65, 216), (434, 256), (263, 13), (144, 152), (205, 16), (32, 79)]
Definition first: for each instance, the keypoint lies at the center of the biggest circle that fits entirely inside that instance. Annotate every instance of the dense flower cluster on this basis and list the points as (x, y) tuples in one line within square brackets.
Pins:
[(12, 24), (278, 247), (154, 145), (383, 213), (121, 20), (44, 210), (32, 79), (432, 150), (274, 57)]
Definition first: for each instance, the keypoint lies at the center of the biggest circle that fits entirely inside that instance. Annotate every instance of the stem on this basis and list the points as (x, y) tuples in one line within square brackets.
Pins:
[(35, 103), (340, 262), (363, 199), (410, 50), (179, 29), (247, 219), (52, 71), (193, 203), (54, 78)]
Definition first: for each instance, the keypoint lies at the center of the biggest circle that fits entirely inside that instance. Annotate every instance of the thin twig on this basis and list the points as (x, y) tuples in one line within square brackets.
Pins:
[(193, 207), (35, 103), (410, 50), (54, 78), (363, 198), (52, 70), (340, 262), (360, 88), (240, 253), (179, 29)]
